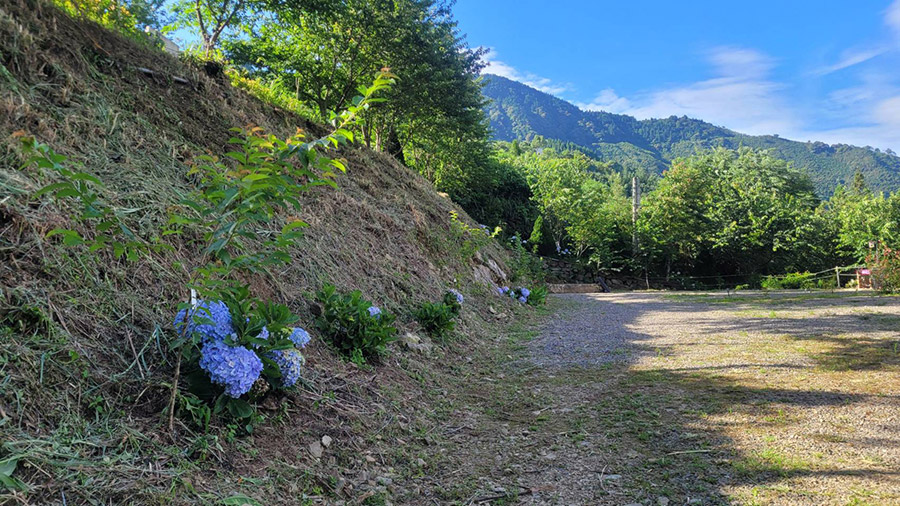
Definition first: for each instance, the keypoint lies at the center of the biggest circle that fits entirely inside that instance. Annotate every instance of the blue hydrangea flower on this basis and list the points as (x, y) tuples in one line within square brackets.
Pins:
[(234, 367), (290, 363), (503, 290), (459, 296), (263, 334), (299, 337), (525, 292), (374, 311), (523, 299), (216, 311)]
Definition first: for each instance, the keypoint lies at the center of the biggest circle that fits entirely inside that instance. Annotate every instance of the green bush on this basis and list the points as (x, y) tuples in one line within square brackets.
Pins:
[(538, 296), (436, 318), (794, 280), (356, 328), (523, 264)]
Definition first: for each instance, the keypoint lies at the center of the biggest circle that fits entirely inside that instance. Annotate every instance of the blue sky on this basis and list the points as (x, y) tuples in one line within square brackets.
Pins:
[(824, 70)]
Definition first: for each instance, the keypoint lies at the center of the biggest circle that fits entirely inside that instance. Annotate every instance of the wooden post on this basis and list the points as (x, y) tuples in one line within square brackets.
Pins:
[(837, 275)]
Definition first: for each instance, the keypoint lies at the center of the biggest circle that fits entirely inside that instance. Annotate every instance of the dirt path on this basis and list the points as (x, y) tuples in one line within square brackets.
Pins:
[(661, 399)]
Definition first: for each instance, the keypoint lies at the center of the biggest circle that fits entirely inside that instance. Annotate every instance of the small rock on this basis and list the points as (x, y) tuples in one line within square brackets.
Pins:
[(414, 342), (384, 480), (339, 485), (315, 449), (370, 459), (662, 501), (420, 463), (326, 441)]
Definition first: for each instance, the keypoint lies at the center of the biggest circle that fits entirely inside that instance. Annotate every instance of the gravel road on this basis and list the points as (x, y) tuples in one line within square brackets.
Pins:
[(686, 399)]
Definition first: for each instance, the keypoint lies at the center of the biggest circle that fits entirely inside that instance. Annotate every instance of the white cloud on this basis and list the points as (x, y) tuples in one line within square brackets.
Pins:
[(739, 62), (852, 57), (740, 96), (607, 100), (494, 66), (876, 120), (892, 17), (887, 113)]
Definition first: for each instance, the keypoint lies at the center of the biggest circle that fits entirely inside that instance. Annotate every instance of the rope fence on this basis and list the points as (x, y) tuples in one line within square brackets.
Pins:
[(732, 281)]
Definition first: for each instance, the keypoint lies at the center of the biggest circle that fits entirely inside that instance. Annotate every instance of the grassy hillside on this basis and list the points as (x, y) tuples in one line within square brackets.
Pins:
[(517, 111), (85, 364)]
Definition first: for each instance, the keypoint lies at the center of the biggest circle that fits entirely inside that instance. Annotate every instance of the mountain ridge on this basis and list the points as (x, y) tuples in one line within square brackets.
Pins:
[(517, 111)]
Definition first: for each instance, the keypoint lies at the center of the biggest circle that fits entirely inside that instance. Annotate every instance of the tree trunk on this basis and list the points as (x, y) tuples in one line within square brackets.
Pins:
[(393, 146)]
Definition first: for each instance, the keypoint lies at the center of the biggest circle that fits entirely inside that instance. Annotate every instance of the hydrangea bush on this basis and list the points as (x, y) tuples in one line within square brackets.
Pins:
[(236, 345), (437, 318), (358, 329), (534, 297)]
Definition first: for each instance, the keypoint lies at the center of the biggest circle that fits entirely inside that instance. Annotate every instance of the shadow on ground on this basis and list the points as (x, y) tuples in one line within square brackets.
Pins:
[(601, 409)]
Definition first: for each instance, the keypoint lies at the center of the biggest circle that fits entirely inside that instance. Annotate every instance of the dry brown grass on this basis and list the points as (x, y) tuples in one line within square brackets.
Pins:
[(84, 351)]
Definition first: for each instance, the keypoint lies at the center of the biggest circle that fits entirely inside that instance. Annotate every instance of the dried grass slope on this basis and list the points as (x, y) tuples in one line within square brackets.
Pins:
[(84, 365)]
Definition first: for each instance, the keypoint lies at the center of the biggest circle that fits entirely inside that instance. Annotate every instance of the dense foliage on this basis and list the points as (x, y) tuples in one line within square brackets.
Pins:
[(732, 212), (647, 147), (437, 318), (358, 329), (720, 217)]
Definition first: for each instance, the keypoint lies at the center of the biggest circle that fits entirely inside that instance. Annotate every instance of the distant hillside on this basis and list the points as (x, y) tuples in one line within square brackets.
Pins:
[(517, 111)]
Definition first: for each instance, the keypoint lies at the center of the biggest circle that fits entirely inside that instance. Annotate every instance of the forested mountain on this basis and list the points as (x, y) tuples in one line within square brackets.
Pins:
[(517, 111)]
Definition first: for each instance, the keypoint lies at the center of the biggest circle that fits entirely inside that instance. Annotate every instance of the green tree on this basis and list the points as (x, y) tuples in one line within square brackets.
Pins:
[(736, 212)]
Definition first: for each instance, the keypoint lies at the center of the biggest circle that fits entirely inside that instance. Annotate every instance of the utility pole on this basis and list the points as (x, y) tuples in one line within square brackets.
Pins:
[(635, 209)]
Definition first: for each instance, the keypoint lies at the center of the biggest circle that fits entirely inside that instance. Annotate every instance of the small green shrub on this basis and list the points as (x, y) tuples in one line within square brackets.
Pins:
[(103, 223), (522, 294), (538, 296), (436, 318), (794, 280), (469, 239), (523, 264), (356, 328)]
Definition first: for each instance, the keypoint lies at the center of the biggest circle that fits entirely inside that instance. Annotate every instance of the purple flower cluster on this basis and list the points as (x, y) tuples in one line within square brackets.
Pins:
[(211, 319), (374, 311), (290, 363), (459, 296), (237, 368), (234, 367), (521, 293), (299, 337)]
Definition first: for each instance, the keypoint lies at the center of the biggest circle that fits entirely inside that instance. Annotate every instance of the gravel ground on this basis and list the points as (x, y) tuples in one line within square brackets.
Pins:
[(661, 399)]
